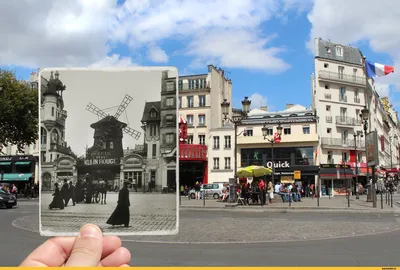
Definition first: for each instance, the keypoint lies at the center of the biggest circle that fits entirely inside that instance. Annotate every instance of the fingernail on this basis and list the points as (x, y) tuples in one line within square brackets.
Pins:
[(90, 231)]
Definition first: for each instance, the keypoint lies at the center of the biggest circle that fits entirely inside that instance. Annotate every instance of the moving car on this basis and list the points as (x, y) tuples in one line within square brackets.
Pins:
[(212, 190), (6, 199)]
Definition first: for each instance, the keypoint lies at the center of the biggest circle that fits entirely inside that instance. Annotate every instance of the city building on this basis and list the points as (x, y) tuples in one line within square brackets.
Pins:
[(200, 98), (296, 150), (58, 162)]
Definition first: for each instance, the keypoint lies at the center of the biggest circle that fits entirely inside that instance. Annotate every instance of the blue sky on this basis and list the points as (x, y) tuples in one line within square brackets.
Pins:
[(262, 44)]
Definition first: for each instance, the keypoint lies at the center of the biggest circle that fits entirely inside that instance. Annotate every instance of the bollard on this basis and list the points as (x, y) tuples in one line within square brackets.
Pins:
[(204, 198), (180, 199), (381, 200), (391, 198)]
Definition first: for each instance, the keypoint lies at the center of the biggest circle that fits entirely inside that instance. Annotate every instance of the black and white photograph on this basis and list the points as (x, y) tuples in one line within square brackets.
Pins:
[(108, 140)]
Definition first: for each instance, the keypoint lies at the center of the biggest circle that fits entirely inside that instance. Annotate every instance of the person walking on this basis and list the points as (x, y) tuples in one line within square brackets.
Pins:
[(261, 187), (72, 194), (65, 192), (58, 201), (121, 215)]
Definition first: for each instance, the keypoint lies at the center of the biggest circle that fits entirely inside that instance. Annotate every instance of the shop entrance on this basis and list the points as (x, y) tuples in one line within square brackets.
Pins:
[(191, 172)]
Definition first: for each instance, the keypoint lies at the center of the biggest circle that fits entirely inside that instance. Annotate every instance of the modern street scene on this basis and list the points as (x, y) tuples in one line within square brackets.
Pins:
[(202, 133)]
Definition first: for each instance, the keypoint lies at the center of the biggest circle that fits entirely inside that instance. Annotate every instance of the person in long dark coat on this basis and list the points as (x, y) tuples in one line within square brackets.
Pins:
[(72, 193), (79, 191), (89, 189), (121, 214), (58, 201)]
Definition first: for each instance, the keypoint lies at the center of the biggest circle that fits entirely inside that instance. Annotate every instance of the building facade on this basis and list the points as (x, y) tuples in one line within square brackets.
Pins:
[(57, 159), (200, 98), (296, 151)]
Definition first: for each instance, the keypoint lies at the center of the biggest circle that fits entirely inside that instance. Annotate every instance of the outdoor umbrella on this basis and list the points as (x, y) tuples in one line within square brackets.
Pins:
[(253, 171)]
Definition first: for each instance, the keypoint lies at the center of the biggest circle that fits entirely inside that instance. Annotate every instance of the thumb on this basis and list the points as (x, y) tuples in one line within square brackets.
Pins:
[(87, 248)]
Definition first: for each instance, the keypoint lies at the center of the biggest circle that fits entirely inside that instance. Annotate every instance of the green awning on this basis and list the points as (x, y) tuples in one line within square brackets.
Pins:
[(5, 163), (22, 163), (16, 176)]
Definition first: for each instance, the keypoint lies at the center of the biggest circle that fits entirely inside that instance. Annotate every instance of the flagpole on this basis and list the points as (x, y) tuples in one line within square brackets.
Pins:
[(372, 194)]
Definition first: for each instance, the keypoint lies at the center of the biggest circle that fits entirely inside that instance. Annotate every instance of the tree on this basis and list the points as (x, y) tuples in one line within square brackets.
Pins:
[(19, 111)]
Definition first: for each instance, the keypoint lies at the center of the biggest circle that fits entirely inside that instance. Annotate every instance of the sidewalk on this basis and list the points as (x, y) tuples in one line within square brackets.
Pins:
[(334, 204)]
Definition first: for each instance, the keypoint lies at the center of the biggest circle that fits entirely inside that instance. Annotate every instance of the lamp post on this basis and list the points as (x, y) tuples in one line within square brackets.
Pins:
[(236, 121), (355, 135), (144, 177), (272, 141)]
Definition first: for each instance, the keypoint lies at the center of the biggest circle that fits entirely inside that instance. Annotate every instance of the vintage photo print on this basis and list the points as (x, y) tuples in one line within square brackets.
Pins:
[(109, 147)]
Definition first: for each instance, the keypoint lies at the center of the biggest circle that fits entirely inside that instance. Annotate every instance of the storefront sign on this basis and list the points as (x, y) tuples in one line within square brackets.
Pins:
[(109, 161), (65, 163), (133, 161), (297, 175), (279, 164), (5, 158), (16, 158), (372, 148)]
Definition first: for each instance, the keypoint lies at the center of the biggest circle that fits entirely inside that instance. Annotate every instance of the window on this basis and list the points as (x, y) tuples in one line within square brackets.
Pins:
[(383, 143), (306, 129), (328, 50), (152, 129), (270, 131), (180, 85), (356, 92), (111, 145), (354, 74), (43, 156), (287, 131), (341, 72), (202, 101), (328, 130), (43, 135), (190, 120), (357, 114), (339, 51), (153, 113), (329, 159), (51, 157), (227, 163), (197, 84), (342, 96), (170, 86), (154, 150), (343, 112), (190, 101), (202, 139), (326, 86), (170, 138), (169, 120), (359, 157), (58, 156), (216, 163), (203, 83), (52, 111), (191, 84), (202, 120), (169, 102), (328, 108), (190, 139), (180, 102), (326, 65), (227, 142), (216, 142), (344, 156), (153, 177), (248, 132)]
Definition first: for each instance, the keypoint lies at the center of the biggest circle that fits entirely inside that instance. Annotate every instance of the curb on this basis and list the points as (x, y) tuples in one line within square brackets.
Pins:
[(289, 210)]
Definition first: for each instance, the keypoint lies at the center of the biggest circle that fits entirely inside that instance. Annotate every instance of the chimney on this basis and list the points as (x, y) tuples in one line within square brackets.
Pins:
[(264, 108), (289, 105)]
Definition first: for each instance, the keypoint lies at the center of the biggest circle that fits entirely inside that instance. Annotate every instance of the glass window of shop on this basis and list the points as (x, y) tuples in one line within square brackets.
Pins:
[(293, 155), (23, 167), (5, 167)]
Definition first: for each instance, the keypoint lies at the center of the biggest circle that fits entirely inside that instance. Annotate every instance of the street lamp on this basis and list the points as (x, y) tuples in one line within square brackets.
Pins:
[(144, 177), (355, 135), (264, 130), (236, 121), (364, 117)]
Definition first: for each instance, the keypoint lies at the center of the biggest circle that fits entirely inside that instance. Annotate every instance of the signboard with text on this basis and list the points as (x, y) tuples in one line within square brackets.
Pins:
[(297, 175), (371, 142)]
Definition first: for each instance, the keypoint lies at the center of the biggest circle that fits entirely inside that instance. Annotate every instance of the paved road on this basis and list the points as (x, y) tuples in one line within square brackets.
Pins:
[(376, 250), (148, 212)]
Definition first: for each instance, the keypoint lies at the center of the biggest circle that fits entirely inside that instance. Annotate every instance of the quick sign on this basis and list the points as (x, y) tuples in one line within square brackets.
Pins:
[(278, 164)]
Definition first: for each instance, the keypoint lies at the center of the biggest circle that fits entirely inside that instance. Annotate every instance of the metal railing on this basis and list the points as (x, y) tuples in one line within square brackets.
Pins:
[(348, 143), (335, 76), (343, 98), (356, 100), (328, 96), (328, 119), (349, 121)]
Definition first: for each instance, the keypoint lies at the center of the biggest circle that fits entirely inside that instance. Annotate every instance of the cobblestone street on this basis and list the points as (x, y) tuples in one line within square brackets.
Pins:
[(148, 213)]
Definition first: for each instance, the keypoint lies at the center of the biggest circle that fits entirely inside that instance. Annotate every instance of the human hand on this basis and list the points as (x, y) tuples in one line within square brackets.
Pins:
[(89, 248)]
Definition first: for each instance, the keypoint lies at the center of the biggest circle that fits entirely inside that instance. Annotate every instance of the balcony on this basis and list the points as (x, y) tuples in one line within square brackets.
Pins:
[(347, 121), (342, 78), (342, 143), (357, 100), (186, 88), (342, 98), (328, 96), (193, 152)]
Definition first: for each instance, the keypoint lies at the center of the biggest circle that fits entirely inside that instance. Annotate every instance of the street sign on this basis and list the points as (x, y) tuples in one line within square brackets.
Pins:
[(297, 175)]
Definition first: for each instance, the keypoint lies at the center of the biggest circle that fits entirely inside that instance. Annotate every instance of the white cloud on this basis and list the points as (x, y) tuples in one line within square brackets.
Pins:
[(258, 100), (157, 55), (360, 21), (114, 60)]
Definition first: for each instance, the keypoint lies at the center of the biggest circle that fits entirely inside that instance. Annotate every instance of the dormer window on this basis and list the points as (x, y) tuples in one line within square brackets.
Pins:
[(153, 114), (339, 51), (328, 50)]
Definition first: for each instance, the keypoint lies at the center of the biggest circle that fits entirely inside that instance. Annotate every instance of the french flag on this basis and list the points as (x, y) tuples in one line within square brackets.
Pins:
[(378, 70)]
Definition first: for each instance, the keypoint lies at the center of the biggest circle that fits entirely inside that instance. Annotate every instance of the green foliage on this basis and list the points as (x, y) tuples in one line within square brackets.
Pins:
[(19, 111)]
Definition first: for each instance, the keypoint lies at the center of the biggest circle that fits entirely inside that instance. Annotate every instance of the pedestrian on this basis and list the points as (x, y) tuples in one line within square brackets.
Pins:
[(270, 190), (182, 190), (121, 214), (65, 192), (58, 201), (72, 193), (261, 187)]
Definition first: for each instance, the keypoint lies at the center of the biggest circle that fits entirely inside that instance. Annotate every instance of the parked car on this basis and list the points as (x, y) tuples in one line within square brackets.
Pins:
[(7, 200), (214, 190)]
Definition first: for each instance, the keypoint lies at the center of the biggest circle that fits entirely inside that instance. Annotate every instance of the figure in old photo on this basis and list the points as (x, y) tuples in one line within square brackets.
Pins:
[(120, 216)]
